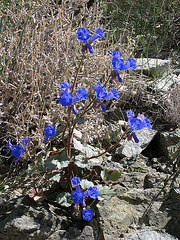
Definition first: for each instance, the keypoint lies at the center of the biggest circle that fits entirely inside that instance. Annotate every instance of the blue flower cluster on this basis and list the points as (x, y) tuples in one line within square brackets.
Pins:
[(66, 98), (137, 123), (49, 131), (78, 197), (84, 35), (101, 94), (17, 150), (119, 65)]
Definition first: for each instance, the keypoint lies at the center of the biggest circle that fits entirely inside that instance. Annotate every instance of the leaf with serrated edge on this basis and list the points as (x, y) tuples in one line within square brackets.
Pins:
[(64, 199)]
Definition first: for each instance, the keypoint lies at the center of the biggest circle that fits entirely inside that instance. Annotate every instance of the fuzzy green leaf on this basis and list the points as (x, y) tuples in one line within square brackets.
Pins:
[(79, 120), (80, 161), (55, 176), (57, 161), (105, 192), (85, 184), (64, 199)]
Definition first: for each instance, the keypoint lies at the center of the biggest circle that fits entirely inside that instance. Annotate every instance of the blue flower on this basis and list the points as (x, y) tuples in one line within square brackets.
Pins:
[(99, 33), (131, 63), (83, 35), (103, 107), (87, 214), (135, 137), (65, 86), (116, 54), (113, 94), (101, 93), (137, 123), (81, 94), (77, 196), (89, 47), (119, 77), (25, 141), (75, 181), (118, 64), (75, 111), (97, 85), (130, 114), (92, 192), (65, 99), (16, 150), (49, 131), (145, 121)]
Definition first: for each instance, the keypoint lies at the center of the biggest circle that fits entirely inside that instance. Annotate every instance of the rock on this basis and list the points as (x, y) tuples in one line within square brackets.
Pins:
[(145, 234), (164, 84), (152, 66), (169, 143), (130, 148)]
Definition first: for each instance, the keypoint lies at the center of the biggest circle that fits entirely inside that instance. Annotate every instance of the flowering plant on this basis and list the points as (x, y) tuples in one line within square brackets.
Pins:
[(61, 166)]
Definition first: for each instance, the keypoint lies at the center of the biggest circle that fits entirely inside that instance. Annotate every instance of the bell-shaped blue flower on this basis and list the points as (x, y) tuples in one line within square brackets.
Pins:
[(118, 64), (65, 99), (115, 54), (113, 94), (99, 33), (25, 141), (90, 48), (101, 93), (81, 94), (16, 150), (75, 181), (49, 131), (83, 35), (77, 196), (87, 214), (65, 86), (97, 85), (92, 192), (132, 63)]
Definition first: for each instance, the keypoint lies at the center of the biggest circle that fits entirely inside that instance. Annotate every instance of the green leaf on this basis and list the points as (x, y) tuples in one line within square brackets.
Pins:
[(40, 164), (110, 176), (85, 184), (64, 199), (55, 176), (79, 120), (81, 161), (57, 161), (105, 192)]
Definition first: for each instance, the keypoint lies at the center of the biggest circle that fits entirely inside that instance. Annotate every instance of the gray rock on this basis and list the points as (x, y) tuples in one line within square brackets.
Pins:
[(170, 144), (152, 66), (145, 234), (164, 84), (130, 148)]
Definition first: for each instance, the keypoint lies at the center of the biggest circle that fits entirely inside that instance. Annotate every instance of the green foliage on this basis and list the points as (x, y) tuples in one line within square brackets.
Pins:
[(105, 192), (64, 199), (85, 184), (55, 176), (57, 161), (79, 120), (110, 176)]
